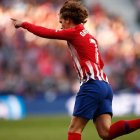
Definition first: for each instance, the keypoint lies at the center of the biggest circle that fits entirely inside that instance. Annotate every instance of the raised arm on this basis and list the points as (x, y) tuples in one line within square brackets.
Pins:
[(65, 34)]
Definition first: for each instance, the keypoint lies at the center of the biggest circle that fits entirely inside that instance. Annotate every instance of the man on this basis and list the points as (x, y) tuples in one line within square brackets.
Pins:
[(94, 99)]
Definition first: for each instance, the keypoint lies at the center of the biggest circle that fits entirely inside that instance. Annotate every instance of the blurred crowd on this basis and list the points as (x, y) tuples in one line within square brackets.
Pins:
[(31, 66), (137, 6)]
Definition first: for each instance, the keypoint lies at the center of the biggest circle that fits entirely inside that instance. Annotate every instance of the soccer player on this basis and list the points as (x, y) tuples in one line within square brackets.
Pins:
[(94, 99)]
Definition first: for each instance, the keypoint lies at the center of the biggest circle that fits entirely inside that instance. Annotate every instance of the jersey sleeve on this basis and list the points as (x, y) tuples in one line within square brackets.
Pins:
[(63, 34)]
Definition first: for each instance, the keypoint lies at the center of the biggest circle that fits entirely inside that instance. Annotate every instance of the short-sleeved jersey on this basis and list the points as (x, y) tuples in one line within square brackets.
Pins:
[(83, 47)]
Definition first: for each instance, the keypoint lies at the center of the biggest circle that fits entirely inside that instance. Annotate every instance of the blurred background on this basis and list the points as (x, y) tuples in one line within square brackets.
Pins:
[(37, 76)]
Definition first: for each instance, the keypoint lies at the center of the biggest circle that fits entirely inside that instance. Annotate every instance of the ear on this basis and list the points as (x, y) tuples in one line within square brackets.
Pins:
[(68, 21)]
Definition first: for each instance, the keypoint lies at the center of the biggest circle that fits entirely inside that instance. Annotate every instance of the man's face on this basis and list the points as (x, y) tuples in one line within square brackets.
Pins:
[(64, 23)]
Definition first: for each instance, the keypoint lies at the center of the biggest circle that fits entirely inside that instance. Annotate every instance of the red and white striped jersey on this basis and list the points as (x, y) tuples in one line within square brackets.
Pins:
[(83, 47)]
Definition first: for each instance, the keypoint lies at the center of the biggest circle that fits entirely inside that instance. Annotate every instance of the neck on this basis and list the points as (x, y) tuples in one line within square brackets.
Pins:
[(73, 25)]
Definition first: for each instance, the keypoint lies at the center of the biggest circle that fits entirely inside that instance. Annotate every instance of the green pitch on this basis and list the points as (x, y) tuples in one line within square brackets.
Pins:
[(50, 128)]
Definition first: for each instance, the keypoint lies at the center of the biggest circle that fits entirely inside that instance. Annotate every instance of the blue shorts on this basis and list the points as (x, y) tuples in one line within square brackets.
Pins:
[(93, 99)]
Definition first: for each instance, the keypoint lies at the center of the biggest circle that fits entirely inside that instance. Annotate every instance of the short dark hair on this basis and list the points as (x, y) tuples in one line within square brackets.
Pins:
[(74, 10)]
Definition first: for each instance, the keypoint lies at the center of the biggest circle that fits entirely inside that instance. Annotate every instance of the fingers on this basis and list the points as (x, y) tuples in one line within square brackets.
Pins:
[(13, 19), (16, 23)]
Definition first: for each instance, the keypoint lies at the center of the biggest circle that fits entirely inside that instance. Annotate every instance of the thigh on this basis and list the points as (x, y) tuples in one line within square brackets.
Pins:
[(85, 106), (87, 100), (104, 107), (77, 124), (103, 123), (105, 103)]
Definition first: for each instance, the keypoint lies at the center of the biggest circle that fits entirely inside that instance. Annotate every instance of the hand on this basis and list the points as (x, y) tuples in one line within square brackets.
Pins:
[(16, 23)]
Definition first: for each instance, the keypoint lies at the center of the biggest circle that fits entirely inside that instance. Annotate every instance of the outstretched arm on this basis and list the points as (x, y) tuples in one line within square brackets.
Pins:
[(66, 34)]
